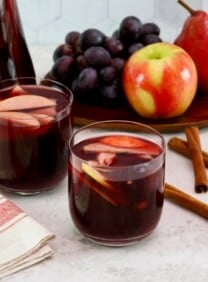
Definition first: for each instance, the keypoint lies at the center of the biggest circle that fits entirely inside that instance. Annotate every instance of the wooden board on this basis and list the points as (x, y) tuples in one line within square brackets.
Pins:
[(197, 114)]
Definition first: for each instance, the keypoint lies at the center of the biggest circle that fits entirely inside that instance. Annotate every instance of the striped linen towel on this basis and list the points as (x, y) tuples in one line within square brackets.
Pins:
[(23, 241)]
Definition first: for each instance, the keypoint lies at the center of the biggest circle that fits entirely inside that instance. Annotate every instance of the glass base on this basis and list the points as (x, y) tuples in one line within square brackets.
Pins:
[(117, 242), (25, 193)]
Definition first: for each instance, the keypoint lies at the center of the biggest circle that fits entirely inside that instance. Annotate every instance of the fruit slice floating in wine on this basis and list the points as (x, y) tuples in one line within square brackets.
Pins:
[(18, 90), (123, 141), (106, 158), (106, 190), (19, 119), (104, 148), (97, 176), (43, 118), (126, 144), (93, 187), (29, 102)]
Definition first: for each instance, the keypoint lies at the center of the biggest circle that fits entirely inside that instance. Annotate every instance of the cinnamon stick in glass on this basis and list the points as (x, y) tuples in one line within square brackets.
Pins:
[(185, 200), (193, 140), (181, 146)]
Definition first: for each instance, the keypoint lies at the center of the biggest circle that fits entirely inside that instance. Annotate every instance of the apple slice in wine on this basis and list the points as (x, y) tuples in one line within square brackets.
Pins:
[(104, 148), (17, 91), (92, 186), (97, 176), (43, 118), (123, 141), (18, 119), (33, 103), (105, 159), (108, 192)]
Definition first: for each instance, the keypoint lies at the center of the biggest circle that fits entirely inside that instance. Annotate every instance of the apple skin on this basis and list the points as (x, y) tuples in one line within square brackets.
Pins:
[(160, 81)]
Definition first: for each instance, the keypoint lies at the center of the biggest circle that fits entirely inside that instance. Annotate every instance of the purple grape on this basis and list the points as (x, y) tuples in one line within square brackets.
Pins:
[(97, 57), (108, 74), (81, 62), (148, 28), (111, 94), (130, 30), (134, 47), (91, 64), (62, 50), (63, 69), (114, 46), (87, 79), (91, 37), (72, 38), (150, 39), (118, 63)]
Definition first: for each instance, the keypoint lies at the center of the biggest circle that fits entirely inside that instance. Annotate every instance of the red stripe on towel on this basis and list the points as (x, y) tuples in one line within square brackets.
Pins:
[(8, 211)]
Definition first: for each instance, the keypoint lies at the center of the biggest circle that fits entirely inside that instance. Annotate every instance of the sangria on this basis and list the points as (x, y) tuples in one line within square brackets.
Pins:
[(116, 178), (35, 127)]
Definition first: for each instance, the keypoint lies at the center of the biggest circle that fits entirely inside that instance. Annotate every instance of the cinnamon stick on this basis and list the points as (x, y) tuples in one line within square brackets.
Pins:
[(185, 200), (181, 146), (193, 140)]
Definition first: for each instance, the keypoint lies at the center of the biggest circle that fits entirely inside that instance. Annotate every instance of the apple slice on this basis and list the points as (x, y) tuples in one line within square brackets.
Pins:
[(104, 148), (92, 186), (36, 103), (43, 118), (19, 119), (18, 90), (110, 193), (106, 159), (123, 141), (98, 177)]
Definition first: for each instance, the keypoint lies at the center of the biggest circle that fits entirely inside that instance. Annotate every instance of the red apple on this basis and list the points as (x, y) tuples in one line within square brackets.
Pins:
[(160, 80)]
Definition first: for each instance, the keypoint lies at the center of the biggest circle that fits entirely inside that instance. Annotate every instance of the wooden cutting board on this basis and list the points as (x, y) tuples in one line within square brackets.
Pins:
[(197, 114)]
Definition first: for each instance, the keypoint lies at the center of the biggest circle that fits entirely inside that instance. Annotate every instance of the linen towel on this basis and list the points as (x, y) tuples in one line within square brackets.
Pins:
[(23, 241)]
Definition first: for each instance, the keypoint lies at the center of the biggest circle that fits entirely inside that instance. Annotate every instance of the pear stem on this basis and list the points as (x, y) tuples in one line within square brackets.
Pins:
[(186, 6)]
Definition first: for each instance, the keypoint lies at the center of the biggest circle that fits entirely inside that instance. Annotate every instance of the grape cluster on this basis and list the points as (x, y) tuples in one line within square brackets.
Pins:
[(91, 63)]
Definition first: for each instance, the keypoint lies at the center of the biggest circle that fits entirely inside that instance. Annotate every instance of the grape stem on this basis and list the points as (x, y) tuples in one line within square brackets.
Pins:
[(186, 6)]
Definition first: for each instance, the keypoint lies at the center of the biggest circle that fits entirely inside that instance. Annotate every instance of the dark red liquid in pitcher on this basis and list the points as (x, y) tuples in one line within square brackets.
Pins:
[(15, 59), (33, 140), (116, 193)]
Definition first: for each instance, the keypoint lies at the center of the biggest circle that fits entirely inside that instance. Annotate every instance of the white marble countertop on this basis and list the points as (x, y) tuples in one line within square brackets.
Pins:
[(177, 250)]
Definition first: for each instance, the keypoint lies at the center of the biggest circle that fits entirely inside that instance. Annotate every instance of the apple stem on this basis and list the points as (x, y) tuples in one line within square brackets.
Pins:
[(186, 6)]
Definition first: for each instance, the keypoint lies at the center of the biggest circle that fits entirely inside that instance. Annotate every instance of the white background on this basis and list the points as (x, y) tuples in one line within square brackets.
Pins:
[(46, 22)]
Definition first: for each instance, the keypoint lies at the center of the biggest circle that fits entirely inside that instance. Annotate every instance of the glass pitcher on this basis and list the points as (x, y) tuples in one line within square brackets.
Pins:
[(15, 59)]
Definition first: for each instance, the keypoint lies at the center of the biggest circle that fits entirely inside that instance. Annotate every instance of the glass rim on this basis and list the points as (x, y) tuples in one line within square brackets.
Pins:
[(38, 79)]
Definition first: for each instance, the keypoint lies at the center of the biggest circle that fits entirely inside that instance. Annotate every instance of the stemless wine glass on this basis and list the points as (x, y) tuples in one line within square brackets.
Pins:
[(116, 181), (35, 127)]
